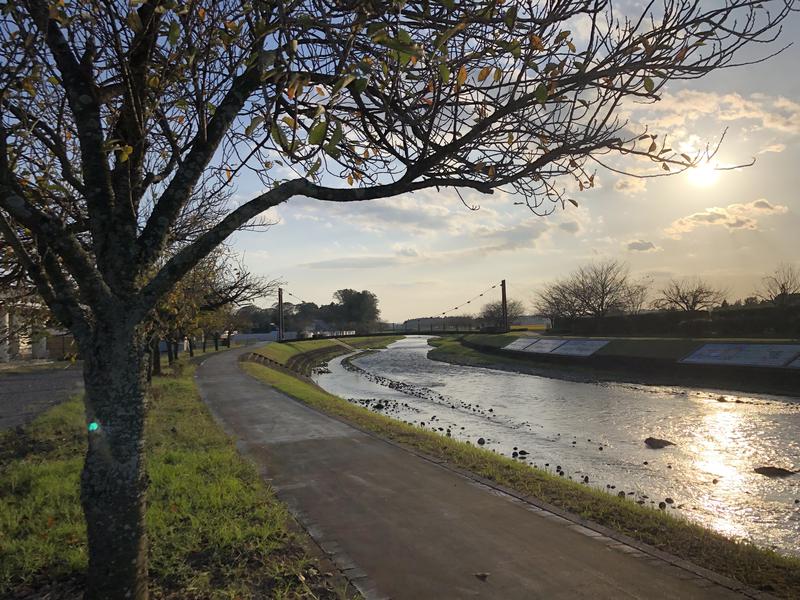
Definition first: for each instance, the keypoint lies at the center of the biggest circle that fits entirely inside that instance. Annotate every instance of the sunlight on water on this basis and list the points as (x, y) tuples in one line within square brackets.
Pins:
[(596, 430)]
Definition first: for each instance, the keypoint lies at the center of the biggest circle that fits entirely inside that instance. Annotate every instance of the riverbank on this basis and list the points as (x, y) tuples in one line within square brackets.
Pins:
[(215, 529), (755, 567), (629, 360), (302, 356)]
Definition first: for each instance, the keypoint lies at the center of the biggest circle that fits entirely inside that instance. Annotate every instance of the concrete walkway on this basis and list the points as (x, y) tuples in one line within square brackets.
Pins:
[(23, 396), (401, 526)]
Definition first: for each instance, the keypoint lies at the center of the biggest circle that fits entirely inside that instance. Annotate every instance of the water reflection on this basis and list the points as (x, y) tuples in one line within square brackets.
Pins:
[(597, 431)]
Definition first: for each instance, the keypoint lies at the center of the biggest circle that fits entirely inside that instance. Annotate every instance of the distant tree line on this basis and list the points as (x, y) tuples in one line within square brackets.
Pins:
[(602, 297), (350, 310)]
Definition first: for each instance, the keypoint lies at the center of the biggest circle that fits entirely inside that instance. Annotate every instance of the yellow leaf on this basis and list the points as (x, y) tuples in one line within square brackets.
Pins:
[(350, 180), (289, 121), (462, 77), (229, 173), (536, 42), (201, 12), (484, 73), (497, 74)]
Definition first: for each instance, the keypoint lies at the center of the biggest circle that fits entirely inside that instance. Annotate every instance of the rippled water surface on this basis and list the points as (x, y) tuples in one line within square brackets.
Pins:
[(597, 430)]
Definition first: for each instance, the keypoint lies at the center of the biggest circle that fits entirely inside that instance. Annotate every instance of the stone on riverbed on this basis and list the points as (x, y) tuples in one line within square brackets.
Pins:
[(657, 443), (771, 471)]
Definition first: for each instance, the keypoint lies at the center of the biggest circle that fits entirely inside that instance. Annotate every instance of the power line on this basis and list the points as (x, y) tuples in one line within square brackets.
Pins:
[(463, 304), (295, 297)]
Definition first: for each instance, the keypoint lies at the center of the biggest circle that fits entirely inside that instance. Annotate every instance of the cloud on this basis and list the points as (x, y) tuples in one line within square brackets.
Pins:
[(487, 240), (409, 251), (572, 227), (424, 213), (689, 106), (513, 237), (630, 186), (641, 246), (776, 148), (356, 262), (731, 217)]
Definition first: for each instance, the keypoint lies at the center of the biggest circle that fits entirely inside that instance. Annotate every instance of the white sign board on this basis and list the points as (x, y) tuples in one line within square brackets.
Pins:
[(748, 355), (580, 347), (544, 346), (521, 343)]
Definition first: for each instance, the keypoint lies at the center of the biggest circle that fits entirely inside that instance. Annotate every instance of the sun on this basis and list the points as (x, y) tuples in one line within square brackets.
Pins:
[(704, 175)]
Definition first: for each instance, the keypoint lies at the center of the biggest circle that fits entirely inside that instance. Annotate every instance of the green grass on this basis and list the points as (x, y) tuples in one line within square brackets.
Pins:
[(215, 529), (759, 568), (283, 352)]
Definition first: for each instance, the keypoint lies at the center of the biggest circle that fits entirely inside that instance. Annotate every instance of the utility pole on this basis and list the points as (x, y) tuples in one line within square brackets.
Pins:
[(505, 305), (280, 314)]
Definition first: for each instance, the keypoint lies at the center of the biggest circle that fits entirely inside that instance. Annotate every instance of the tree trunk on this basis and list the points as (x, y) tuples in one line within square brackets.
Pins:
[(204, 343), (113, 482), (175, 348), (216, 342), (191, 347), (170, 354), (156, 351)]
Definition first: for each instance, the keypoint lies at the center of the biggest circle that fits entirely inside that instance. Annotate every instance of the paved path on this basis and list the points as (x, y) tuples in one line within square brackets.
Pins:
[(404, 527), (24, 395)]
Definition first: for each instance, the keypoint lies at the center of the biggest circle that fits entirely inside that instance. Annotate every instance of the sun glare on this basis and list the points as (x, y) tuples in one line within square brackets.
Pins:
[(704, 175)]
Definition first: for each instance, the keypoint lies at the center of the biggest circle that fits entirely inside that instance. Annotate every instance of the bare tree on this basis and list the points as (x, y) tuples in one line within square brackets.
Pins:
[(555, 301), (689, 294), (492, 313), (121, 121), (594, 290), (638, 295), (602, 287), (781, 284)]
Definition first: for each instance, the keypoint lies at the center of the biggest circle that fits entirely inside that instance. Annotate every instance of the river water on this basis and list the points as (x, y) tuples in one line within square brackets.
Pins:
[(597, 430)]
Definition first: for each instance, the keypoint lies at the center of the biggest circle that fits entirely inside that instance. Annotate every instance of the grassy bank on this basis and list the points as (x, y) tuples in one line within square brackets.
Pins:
[(761, 569), (282, 353), (215, 529), (633, 360)]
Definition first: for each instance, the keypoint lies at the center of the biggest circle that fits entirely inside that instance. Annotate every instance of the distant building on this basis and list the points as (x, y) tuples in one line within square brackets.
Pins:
[(18, 339), (531, 321)]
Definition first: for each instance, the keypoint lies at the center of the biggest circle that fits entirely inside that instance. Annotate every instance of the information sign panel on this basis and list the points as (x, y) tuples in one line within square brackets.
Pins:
[(544, 346), (748, 355), (521, 343), (580, 347)]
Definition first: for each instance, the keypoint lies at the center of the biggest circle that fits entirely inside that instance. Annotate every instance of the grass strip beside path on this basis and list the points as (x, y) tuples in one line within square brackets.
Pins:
[(759, 568), (282, 352), (215, 529)]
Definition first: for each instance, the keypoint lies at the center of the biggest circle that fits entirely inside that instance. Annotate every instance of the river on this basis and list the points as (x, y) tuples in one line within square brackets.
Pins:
[(597, 430)]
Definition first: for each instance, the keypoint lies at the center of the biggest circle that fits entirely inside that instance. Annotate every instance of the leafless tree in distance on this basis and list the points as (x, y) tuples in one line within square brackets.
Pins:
[(689, 294), (781, 284), (492, 313), (594, 290)]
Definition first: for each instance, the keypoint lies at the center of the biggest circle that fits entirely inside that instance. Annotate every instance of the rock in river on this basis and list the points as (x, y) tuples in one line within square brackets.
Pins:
[(774, 471), (657, 443)]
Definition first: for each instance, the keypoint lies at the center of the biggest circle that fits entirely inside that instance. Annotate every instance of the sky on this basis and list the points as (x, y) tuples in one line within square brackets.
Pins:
[(425, 253)]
